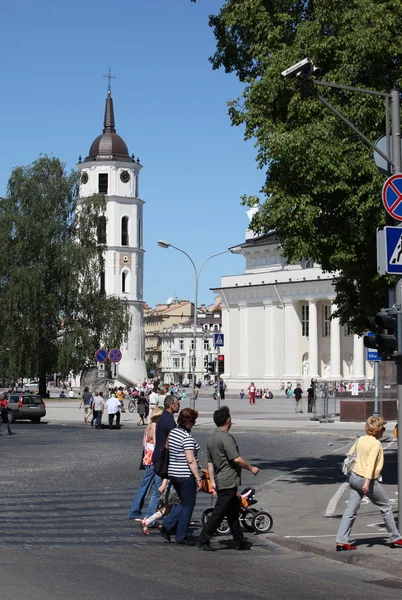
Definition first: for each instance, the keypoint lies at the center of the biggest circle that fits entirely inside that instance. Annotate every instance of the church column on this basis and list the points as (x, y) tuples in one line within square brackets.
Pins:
[(335, 347), (358, 357), (292, 327), (243, 350), (268, 339), (312, 339), (226, 321)]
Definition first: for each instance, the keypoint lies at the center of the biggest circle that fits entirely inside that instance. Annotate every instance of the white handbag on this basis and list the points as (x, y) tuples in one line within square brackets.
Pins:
[(349, 462)]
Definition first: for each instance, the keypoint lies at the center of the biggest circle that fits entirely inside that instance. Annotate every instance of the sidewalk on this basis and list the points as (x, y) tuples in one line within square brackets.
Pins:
[(300, 501)]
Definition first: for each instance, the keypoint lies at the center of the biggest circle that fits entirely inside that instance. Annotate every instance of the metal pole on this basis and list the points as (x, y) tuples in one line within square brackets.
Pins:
[(192, 401), (396, 159), (376, 411), (218, 392)]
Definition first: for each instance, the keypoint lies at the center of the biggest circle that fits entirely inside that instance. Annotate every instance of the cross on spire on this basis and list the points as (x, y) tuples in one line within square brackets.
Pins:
[(109, 76)]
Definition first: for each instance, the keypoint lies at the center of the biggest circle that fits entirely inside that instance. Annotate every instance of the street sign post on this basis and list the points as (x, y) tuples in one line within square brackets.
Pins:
[(219, 340), (101, 370), (392, 196), (101, 355), (115, 355), (115, 370)]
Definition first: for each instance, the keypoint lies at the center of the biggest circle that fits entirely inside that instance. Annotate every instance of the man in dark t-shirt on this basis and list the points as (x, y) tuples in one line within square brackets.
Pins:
[(298, 398), (224, 468), (165, 424)]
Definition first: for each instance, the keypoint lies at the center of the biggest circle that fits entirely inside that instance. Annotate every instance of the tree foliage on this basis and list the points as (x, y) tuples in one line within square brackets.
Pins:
[(322, 192), (52, 313)]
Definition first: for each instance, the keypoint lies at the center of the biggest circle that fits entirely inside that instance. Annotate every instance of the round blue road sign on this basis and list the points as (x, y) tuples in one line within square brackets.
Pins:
[(392, 196), (101, 355), (115, 355)]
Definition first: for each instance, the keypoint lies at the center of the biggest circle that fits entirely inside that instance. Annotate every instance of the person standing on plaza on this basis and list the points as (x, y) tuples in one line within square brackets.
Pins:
[(98, 406), (113, 410), (310, 396), (224, 468), (298, 398), (120, 398), (251, 393), (153, 400), (141, 408), (222, 388), (365, 480), (149, 479), (4, 412)]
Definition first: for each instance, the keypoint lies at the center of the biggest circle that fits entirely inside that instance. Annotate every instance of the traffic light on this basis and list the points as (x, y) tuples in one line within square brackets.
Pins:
[(387, 329), (211, 367), (221, 364)]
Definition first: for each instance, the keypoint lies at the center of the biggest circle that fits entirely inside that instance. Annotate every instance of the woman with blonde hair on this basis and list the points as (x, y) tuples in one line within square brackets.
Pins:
[(365, 480), (150, 478)]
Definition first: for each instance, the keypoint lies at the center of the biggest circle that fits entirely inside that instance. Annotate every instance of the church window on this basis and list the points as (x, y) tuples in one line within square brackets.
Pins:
[(326, 326), (103, 183), (305, 320), (181, 344), (101, 230), (124, 281), (124, 231)]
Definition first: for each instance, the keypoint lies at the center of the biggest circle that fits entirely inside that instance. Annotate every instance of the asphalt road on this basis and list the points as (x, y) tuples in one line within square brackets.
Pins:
[(65, 493)]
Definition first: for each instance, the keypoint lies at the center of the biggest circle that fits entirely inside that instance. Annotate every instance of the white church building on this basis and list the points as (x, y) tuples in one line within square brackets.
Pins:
[(110, 170), (276, 322)]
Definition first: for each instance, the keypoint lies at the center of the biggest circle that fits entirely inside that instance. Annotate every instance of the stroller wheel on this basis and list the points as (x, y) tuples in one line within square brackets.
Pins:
[(262, 522), (247, 520), (223, 528)]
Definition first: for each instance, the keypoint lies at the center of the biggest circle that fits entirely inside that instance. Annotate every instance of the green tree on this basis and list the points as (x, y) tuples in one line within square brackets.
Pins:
[(52, 313), (322, 192)]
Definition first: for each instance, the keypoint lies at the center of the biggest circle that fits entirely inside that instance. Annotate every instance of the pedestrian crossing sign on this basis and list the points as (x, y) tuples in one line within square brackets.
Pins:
[(393, 242), (218, 339)]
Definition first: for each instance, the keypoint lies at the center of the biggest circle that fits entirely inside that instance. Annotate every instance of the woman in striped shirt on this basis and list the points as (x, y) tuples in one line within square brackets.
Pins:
[(184, 474)]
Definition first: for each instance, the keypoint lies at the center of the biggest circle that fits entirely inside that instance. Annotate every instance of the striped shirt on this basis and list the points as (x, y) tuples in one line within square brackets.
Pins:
[(180, 440)]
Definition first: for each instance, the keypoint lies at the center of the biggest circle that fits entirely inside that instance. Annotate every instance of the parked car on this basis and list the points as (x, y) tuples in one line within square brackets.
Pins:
[(25, 405), (33, 386)]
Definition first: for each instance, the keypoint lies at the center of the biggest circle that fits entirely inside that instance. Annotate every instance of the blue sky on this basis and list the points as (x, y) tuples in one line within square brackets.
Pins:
[(170, 108)]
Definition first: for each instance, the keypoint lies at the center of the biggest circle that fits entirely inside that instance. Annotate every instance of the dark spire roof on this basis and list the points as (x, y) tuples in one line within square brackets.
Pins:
[(108, 145)]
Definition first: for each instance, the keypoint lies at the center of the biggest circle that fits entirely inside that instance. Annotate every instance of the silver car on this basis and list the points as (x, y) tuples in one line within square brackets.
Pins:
[(25, 405)]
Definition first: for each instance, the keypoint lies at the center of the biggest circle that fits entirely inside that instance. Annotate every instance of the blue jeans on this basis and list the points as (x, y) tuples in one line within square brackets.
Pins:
[(181, 513), (150, 479)]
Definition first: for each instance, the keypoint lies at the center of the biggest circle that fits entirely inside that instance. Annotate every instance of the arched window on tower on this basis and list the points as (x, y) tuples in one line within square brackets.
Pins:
[(124, 231), (125, 281), (101, 230)]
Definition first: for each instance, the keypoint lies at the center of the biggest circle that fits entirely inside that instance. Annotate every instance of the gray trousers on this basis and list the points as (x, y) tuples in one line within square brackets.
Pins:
[(377, 496)]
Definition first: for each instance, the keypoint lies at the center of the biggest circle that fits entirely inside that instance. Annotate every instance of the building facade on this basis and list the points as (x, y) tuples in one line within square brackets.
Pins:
[(110, 170), (178, 348), (159, 318), (277, 323)]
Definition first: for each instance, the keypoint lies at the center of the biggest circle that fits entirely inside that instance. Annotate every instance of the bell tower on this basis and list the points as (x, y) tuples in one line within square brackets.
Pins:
[(110, 170)]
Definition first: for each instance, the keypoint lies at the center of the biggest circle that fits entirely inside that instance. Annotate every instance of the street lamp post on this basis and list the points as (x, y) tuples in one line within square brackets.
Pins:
[(197, 272)]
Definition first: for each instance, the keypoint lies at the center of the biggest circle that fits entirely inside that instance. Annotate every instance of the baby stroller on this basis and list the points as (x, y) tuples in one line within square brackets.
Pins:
[(252, 519)]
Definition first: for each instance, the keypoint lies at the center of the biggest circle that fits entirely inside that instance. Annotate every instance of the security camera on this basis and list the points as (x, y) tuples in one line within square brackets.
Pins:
[(125, 259), (302, 70)]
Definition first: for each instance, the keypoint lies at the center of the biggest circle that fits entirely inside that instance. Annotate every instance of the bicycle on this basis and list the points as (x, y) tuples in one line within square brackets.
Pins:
[(132, 405)]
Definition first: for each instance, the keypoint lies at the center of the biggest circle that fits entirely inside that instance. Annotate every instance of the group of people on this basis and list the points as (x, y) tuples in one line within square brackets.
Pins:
[(256, 394), (297, 395), (173, 498), (94, 406)]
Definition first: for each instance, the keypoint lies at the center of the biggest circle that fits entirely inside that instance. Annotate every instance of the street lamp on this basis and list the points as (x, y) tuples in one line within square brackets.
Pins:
[(197, 272)]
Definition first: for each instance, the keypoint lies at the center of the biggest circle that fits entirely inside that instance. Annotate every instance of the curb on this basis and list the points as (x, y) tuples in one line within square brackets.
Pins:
[(387, 565)]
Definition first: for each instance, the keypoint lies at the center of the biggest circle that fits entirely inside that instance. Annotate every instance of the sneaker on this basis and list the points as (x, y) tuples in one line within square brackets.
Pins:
[(186, 542), (164, 532), (206, 546)]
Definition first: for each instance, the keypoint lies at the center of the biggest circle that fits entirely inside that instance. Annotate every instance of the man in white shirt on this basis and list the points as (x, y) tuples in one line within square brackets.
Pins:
[(153, 403), (113, 408), (97, 408)]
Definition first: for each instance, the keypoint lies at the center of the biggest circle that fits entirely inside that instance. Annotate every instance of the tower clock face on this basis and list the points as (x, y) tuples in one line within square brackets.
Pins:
[(125, 176), (84, 177)]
